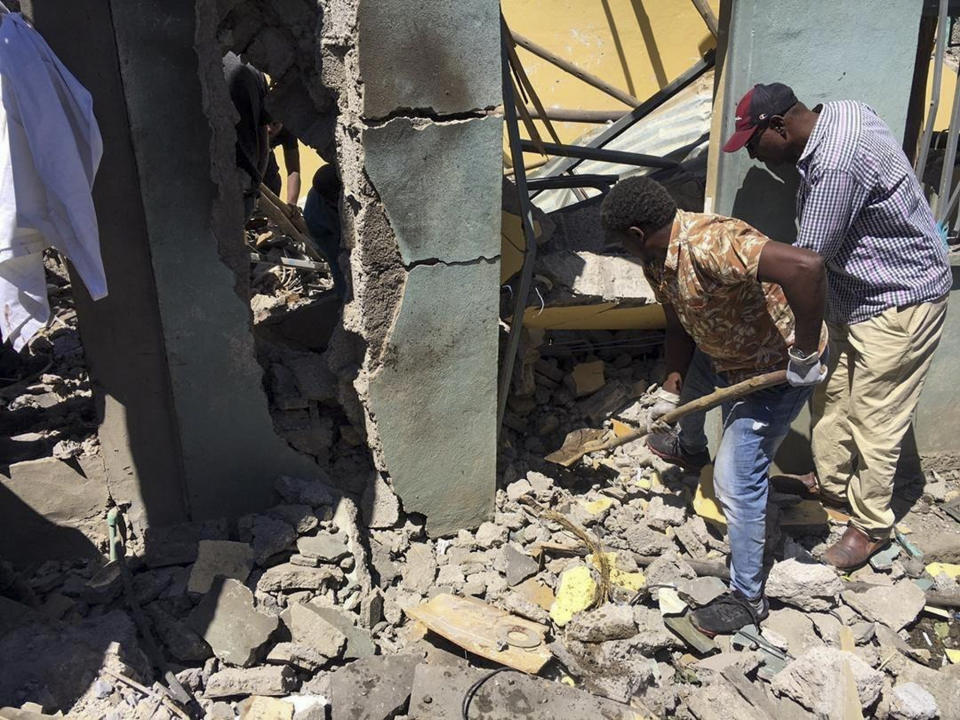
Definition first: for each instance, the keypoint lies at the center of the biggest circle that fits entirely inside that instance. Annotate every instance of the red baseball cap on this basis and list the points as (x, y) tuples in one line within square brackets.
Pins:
[(755, 108)]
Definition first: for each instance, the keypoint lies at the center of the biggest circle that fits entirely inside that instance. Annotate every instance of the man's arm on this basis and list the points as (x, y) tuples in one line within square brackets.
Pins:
[(677, 353), (291, 158), (802, 276), (263, 149), (832, 203)]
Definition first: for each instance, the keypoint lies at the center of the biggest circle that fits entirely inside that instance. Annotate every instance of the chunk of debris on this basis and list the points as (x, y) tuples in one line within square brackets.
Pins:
[(607, 622), (372, 688), (219, 558), (326, 547), (288, 577), (808, 586), (270, 680), (265, 708), (515, 564), (577, 592), (586, 378), (896, 607), (309, 628), (911, 701), (813, 680), (227, 620), (702, 590), (421, 569), (271, 536), (299, 655), (359, 644)]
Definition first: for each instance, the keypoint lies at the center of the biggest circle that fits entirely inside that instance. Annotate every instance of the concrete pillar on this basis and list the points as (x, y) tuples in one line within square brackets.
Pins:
[(186, 430), (419, 148)]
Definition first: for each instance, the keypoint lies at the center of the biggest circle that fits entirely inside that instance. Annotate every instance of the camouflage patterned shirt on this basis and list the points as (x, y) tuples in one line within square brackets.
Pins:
[(710, 279)]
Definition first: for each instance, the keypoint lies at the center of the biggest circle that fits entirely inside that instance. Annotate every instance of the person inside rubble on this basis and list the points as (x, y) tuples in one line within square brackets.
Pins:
[(321, 212), (248, 91), (861, 208), (737, 305), (280, 136)]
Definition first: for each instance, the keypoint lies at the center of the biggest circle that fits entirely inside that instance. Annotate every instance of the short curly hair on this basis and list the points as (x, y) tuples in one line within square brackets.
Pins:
[(637, 202)]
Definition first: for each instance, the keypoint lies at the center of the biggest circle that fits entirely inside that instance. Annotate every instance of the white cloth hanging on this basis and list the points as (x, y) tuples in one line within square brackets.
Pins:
[(50, 148)]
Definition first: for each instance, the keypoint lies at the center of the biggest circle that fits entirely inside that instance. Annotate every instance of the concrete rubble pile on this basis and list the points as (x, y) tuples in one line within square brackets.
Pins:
[(303, 611)]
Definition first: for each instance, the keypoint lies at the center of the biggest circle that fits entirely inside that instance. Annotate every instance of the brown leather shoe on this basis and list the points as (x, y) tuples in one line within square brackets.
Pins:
[(853, 549), (807, 486)]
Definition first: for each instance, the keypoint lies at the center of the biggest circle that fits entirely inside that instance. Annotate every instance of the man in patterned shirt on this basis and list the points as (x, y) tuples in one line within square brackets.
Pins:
[(737, 305), (861, 209)]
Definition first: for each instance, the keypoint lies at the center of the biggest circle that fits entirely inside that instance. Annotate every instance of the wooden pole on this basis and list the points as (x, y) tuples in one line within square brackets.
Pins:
[(589, 78), (708, 17)]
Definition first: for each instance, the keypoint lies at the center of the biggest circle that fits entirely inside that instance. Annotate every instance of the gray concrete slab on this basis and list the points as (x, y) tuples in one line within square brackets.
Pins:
[(440, 186), (434, 397), (442, 56)]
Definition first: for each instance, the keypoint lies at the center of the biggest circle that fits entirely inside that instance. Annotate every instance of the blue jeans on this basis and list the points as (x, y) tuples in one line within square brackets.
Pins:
[(753, 428), (323, 222)]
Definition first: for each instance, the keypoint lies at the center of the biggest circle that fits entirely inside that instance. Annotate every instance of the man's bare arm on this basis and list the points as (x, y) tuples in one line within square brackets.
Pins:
[(291, 158), (802, 276), (678, 352)]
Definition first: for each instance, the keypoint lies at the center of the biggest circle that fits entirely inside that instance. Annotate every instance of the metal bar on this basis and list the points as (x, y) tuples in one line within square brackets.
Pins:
[(594, 153), (589, 78), (949, 156), (526, 217), (942, 32), (601, 182), (644, 109), (706, 12), (287, 262), (574, 115)]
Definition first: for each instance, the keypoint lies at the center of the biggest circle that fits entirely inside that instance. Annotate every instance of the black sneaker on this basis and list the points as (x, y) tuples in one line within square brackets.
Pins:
[(729, 613), (667, 446)]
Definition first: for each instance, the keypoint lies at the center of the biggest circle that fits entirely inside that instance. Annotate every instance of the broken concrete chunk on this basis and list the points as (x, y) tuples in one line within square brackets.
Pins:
[(288, 577), (307, 492), (270, 537), (814, 680), (308, 627), (808, 586), (359, 644), (490, 535), (794, 627), (515, 564), (421, 569), (219, 558), (265, 708), (270, 680), (300, 655), (181, 641), (325, 547), (372, 688), (301, 517), (652, 634), (911, 701), (702, 590), (607, 622), (645, 541), (896, 607), (518, 489), (380, 504), (586, 378), (227, 620), (664, 511)]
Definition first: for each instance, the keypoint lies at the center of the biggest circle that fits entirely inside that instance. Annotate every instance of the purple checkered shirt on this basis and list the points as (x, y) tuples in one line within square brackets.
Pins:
[(861, 208)]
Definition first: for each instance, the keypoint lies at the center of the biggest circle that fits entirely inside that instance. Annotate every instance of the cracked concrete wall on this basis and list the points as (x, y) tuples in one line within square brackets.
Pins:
[(419, 151)]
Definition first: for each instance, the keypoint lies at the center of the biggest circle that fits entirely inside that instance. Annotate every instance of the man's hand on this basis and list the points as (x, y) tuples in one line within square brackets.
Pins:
[(804, 369), (665, 401)]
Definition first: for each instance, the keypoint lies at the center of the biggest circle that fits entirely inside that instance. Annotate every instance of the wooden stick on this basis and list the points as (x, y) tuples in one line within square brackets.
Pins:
[(272, 207), (589, 78), (706, 12)]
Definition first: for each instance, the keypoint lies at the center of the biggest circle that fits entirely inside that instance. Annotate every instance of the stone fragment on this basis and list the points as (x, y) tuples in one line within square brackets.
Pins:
[(358, 644), (421, 568), (299, 655), (643, 540), (450, 576), (896, 607), (808, 586), (518, 489), (668, 570), (586, 378), (702, 590), (270, 680), (304, 561), (607, 622), (308, 627), (265, 708), (219, 558), (652, 635), (516, 565), (148, 584), (181, 641), (270, 537), (288, 577), (302, 491), (815, 680), (227, 620), (691, 543), (606, 401), (379, 504), (795, 627), (577, 592), (300, 517), (372, 688), (665, 510), (326, 547), (105, 585), (911, 701), (491, 535)]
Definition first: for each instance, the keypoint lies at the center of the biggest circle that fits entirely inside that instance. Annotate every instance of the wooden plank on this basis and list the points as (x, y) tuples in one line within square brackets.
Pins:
[(483, 629)]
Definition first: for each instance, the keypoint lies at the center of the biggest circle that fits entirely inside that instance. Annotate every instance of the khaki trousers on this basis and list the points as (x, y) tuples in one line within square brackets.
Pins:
[(864, 409)]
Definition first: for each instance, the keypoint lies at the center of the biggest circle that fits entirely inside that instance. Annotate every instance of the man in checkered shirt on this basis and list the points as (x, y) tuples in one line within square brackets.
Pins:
[(861, 208)]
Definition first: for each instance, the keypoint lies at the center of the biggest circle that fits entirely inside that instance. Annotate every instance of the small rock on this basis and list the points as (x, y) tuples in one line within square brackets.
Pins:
[(645, 541), (227, 620), (911, 701), (358, 644), (608, 622), (515, 564), (490, 535), (299, 655), (665, 510), (181, 641), (265, 708), (421, 569), (300, 517), (652, 635), (542, 484), (703, 590), (270, 537), (324, 546), (808, 586), (518, 489), (308, 627), (288, 577), (306, 492), (271, 680), (379, 504), (219, 558), (304, 561), (896, 607), (813, 680)]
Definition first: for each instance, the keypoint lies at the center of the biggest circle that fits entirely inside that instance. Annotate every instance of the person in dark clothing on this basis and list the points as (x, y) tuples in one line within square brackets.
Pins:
[(279, 135), (248, 91), (322, 215)]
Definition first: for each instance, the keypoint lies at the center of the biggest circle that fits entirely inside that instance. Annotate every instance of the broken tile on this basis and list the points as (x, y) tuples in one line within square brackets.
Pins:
[(896, 607), (227, 620)]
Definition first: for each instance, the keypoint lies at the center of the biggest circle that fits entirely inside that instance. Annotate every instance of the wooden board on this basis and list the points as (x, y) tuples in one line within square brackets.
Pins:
[(481, 629)]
